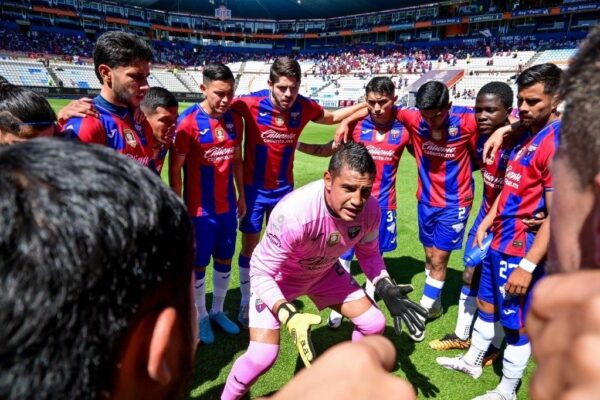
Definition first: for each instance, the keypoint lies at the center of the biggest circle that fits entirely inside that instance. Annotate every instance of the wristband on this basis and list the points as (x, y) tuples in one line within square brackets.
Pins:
[(285, 312), (527, 265)]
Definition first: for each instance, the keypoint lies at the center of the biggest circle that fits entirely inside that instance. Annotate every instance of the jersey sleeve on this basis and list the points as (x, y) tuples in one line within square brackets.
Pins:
[(367, 250), (278, 242), (543, 163), (86, 129), (238, 125), (239, 106), (183, 135), (314, 110)]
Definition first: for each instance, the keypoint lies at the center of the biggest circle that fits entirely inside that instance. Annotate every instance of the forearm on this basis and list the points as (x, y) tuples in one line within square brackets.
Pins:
[(539, 248), (371, 261), (267, 290), (175, 180), (342, 113), (238, 177), (318, 150)]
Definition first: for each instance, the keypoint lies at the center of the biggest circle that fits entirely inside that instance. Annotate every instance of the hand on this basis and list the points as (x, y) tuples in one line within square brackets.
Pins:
[(332, 376), (298, 324), (77, 108), (534, 223), (491, 146), (342, 134), (518, 282), (401, 308), (480, 236), (241, 207), (564, 327)]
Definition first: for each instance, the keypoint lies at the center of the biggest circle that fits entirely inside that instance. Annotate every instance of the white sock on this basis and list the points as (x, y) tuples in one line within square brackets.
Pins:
[(467, 306), (513, 367), (220, 286), (370, 290), (431, 292), (498, 335), (200, 298), (483, 332)]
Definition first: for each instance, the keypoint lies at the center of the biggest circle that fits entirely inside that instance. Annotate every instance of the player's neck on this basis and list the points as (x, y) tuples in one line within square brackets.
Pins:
[(329, 209), (208, 111), (536, 129), (109, 95)]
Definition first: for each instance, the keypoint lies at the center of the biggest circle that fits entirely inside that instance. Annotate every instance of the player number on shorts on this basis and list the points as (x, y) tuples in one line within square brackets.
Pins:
[(390, 216), (504, 266), (461, 212)]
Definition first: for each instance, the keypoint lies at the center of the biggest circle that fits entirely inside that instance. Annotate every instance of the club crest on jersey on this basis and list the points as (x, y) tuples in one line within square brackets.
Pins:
[(220, 134), (129, 138), (259, 305), (353, 231), (333, 239), (395, 133), (453, 131), (279, 121)]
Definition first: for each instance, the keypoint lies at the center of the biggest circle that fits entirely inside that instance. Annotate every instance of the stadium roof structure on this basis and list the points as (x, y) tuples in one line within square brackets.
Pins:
[(278, 9)]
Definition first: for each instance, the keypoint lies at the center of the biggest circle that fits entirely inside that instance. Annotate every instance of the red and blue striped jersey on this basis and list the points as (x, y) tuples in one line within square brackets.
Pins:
[(385, 146), (444, 163), (271, 136), (209, 145), (115, 128), (526, 181)]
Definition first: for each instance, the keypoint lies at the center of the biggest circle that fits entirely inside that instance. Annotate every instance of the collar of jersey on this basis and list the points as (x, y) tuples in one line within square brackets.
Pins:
[(111, 108)]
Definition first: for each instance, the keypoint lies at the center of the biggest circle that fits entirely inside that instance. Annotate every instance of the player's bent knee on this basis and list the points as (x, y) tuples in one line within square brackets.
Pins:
[(371, 322), (485, 306), (467, 276), (262, 355)]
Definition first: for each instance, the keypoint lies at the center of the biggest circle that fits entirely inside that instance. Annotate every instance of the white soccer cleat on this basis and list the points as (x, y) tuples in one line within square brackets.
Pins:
[(335, 319), (459, 364), (495, 395)]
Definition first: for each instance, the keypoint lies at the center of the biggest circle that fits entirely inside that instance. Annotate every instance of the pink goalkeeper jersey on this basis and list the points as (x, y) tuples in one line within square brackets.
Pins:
[(303, 241)]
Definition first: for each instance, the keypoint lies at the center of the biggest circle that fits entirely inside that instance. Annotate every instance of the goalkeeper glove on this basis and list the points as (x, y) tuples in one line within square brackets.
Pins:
[(298, 324), (401, 308)]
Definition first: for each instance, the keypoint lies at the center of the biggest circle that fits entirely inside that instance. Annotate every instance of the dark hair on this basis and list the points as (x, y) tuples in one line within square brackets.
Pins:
[(8, 123), (91, 242), (499, 89), (353, 155), (26, 105), (580, 129), (432, 95), (381, 84), (120, 49), (548, 74), (285, 66), (158, 97), (216, 72)]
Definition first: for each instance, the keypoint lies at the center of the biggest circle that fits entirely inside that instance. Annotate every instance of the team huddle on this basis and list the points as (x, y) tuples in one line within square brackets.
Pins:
[(231, 161)]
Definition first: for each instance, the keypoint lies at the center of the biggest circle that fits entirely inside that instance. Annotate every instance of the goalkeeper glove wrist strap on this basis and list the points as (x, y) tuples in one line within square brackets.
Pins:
[(285, 312)]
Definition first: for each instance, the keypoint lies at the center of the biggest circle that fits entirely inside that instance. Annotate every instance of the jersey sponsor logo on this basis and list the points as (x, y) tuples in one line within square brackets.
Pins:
[(259, 305), (218, 154), (315, 263), (130, 138), (436, 150), (512, 178), (353, 231), (333, 239), (494, 182), (380, 154), (271, 136), (274, 239)]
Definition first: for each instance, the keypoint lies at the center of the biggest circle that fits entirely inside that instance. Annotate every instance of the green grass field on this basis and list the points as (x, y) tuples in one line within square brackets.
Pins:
[(416, 361)]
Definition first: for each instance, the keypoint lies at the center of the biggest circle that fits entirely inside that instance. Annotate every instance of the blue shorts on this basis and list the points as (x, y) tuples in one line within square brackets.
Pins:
[(443, 228), (387, 234), (497, 267), (215, 236), (260, 203)]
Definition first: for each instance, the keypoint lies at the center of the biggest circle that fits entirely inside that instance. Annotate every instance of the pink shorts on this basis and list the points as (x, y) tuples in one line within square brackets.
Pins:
[(336, 287)]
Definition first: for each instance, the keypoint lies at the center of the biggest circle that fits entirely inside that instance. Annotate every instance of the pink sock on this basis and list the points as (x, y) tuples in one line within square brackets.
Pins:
[(248, 368), (371, 322)]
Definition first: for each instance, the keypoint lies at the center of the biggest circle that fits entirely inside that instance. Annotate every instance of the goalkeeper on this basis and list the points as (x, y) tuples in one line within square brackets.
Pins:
[(298, 255)]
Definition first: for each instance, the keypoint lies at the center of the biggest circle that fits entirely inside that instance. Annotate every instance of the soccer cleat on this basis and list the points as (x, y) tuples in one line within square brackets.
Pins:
[(490, 356), (450, 342), (459, 364), (243, 317), (225, 323), (495, 395), (205, 330), (335, 319)]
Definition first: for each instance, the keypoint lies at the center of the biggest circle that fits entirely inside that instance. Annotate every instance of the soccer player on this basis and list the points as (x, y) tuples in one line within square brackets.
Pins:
[(274, 119), (516, 258), (207, 146), (493, 107), (161, 109), (122, 64), (307, 232), (444, 139), (385, 139)]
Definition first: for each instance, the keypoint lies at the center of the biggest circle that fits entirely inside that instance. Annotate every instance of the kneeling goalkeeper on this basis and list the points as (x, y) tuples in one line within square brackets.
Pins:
[(307, 232)]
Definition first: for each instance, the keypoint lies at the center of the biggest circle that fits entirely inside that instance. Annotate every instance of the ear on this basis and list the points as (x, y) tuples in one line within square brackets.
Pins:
[(597, 219), (328, 180), (270, 83), (161, 345), (449, 105), (202, 87), (395, 98), (105, 73)]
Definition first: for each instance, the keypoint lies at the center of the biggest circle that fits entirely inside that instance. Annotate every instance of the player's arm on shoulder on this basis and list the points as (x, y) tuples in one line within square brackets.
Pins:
[(77, 108), (493, 144), (343, 132), (318, 150), (337, 116)]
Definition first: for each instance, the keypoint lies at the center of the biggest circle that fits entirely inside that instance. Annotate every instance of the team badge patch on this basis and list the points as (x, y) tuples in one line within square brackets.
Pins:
[(220, 134), (279, 121), (453, 131), (395, 133), (259, 305), (129, 138), (353, 231), (333, 239)]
